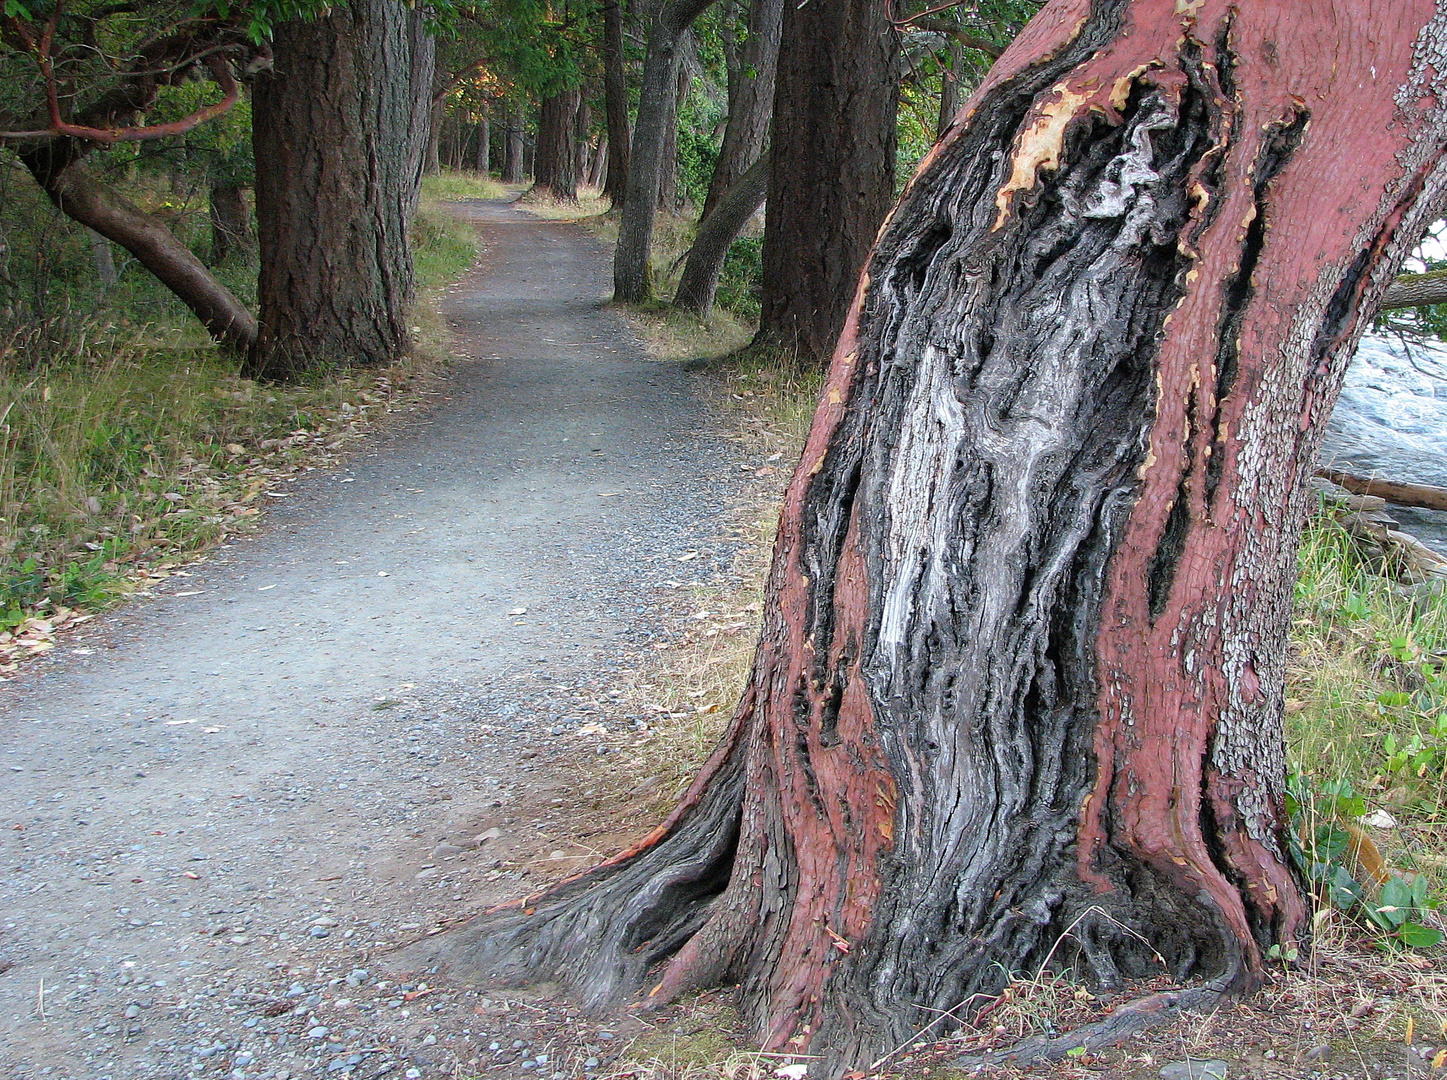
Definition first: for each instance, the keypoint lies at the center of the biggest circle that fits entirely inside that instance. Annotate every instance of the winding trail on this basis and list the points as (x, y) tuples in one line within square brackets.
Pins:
[(219, 806)]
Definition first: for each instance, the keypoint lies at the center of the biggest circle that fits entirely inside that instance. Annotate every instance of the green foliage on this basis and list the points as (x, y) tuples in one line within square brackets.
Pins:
[(1329, 848), (741, 283)]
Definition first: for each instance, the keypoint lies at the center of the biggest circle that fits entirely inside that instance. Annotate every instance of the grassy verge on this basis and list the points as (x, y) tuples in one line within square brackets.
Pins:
[(128, 449)]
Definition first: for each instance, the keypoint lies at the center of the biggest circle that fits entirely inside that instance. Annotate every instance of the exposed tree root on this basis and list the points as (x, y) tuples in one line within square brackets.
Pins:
[(599, 932), (1152, 1011)]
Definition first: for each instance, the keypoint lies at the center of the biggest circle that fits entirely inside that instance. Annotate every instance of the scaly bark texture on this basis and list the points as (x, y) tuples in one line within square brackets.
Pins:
[(1018, 700), (340, 127), (835, 102)]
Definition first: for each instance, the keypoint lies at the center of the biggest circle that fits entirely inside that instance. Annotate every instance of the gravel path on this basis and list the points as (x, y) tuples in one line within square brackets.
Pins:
[(221, 808)]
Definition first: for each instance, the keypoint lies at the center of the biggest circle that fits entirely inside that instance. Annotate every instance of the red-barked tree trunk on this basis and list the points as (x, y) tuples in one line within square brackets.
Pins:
[(1018, 697)]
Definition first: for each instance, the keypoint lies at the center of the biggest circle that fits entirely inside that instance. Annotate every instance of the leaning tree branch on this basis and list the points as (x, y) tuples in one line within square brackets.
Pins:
[(1416, 290), (956, 31), (107, 121)]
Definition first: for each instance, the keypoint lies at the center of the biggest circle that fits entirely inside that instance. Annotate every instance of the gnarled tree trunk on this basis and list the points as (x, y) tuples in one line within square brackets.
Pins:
[(1018, 701), (833, 176), (340, 127)]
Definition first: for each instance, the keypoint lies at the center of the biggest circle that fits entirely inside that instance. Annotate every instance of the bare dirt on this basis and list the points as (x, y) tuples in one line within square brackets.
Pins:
[(224, 807)]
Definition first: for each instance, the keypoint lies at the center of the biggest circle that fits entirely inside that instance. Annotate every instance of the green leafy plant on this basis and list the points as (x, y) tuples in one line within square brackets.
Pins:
[(1344, 868)]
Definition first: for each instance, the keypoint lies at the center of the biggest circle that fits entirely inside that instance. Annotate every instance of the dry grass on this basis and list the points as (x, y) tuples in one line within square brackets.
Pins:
[(590, 204)]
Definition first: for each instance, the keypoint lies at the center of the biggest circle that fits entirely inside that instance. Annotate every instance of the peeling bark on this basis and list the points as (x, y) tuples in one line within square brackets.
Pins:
[(1018, 699)]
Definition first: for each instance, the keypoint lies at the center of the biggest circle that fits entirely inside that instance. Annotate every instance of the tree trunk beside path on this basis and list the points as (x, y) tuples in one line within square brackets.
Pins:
[(340, 127), (716, 232), (835, 101), (632, 278), (751, 101), (1017, 706)]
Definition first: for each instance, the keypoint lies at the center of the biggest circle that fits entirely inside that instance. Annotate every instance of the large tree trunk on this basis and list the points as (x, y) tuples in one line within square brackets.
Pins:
[(512, 162), (699, 283), (1018, 701), (632, 277), (230, 222), (834, 131), (57, 168), (339, 129), (668, 165), (554, 167), (751, 100)]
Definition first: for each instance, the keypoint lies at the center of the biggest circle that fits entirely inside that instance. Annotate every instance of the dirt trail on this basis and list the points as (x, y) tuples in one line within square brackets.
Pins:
[(220, 806)]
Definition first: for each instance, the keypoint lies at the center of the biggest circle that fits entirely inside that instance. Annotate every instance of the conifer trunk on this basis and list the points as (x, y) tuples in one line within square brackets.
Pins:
[(340, 127)]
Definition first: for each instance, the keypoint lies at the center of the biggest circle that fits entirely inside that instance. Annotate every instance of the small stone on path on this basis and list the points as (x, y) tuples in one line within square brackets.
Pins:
[(1194, 1070)]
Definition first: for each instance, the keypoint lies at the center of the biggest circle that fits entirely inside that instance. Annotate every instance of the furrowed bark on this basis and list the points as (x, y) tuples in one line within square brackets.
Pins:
[(1018, 699), (554, 168), (340, 130), (699, 283), (835, 100)]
